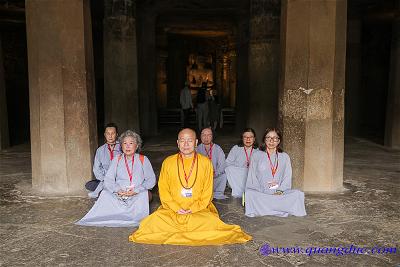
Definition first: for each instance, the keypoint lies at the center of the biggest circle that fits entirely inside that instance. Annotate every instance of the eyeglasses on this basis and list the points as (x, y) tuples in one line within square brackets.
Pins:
[(275, 139)]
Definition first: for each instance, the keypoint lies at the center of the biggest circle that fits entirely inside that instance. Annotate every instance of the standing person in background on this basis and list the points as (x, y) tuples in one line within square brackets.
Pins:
[(186, 104), (202, 107), (214, 109), (102, 160)]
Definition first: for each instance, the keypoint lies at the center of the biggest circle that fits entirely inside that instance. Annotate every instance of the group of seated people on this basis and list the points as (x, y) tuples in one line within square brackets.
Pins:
[(188, 182)]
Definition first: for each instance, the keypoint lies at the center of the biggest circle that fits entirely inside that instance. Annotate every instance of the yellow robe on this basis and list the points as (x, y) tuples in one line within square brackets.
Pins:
[(202, 226)]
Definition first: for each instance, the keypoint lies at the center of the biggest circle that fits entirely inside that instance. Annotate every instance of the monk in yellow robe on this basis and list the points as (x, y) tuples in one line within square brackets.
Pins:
[(186, 215)]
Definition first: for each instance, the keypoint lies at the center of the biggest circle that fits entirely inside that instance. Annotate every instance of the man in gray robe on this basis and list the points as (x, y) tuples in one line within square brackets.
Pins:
[(202, 106), (186, 104), (217, 156), (102, 160)]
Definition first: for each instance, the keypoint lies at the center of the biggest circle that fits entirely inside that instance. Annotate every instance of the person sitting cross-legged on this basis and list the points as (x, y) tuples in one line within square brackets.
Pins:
[(269, 182), (186, 215), (102, 160), (124, 201), (238, 162), (217, 156)]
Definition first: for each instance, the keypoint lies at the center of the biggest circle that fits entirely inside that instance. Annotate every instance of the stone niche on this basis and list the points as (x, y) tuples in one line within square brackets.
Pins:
[(200, 70)]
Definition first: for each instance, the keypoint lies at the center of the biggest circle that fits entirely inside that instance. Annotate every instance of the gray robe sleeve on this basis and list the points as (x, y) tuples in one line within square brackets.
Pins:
[(109, 179), (220, 168), (255, 180), (252, 180), (98, 169), (149, 178), (286, 180), (231, 159)]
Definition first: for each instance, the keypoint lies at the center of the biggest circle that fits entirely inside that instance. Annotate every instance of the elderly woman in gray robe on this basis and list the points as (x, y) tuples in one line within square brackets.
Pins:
[(217, 156), (124, 201), (269, 182), (238, 161)]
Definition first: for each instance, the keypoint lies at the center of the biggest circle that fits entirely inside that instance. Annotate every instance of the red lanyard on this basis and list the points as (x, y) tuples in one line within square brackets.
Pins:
[(273, 167), (183, 167), (209, 153), (111, 151), (247, 156), (130, 173)]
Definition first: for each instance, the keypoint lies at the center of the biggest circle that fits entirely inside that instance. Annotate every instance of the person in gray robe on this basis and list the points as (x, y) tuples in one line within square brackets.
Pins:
[(124, 202), (217, 156), (238, 161), (102, 160), (202, 106), (269, 182), (214, 109)]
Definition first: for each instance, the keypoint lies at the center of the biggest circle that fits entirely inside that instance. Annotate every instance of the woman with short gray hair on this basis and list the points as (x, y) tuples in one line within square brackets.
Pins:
[(135, 136), (124, 202)]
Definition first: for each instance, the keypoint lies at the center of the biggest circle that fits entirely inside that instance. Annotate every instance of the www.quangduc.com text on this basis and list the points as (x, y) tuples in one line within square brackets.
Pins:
[(266, 250)]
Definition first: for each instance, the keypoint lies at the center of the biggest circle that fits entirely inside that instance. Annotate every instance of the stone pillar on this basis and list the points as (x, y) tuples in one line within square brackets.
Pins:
[(219, 71), (120, 65), (232, 80), (161, 79), (147, 72), (353, 78), (242, 89), (224, 93), (4, 132), (392, 127), (263, 64), (176, 73), (311, 99), (61, 95)]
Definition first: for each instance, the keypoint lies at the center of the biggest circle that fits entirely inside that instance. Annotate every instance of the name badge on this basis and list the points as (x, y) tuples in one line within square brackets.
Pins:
[(186, 192), (270, 186)]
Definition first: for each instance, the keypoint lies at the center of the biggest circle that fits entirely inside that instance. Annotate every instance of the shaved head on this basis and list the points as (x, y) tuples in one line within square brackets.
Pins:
[(187, 131), (187, 142)]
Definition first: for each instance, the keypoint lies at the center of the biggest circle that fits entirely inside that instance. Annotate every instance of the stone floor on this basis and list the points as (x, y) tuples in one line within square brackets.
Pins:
[(39, 231)]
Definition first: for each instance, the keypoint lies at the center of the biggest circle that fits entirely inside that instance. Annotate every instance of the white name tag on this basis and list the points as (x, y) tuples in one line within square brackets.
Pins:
[(186, 192), (270, 186), (128, 188)]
